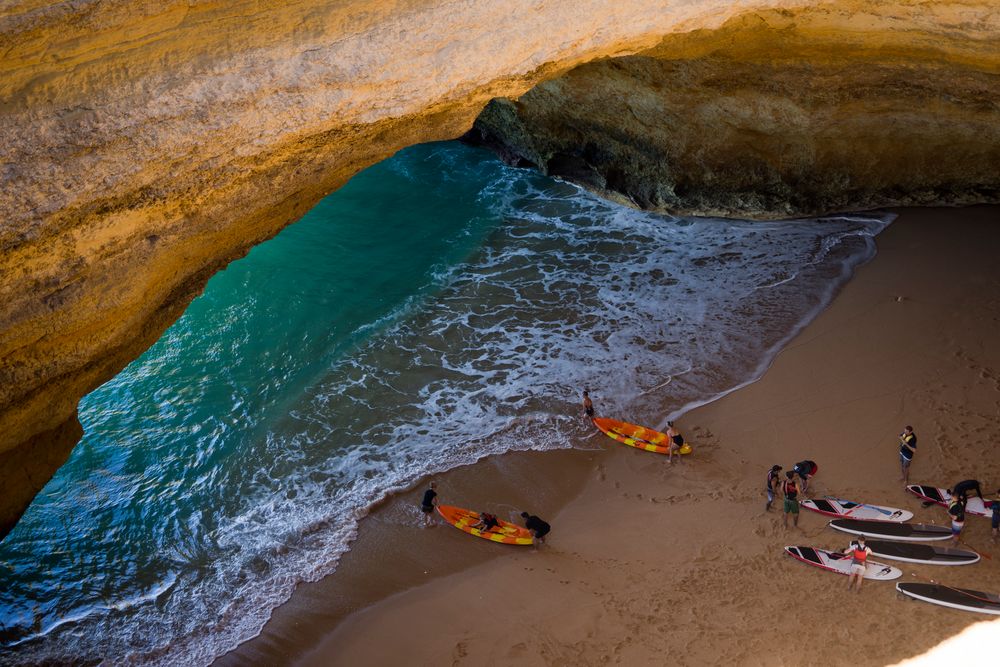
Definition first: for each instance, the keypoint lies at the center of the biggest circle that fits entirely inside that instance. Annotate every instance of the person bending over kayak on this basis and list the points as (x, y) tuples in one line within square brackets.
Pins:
[(539, 529), (486, 522), (676, 442)]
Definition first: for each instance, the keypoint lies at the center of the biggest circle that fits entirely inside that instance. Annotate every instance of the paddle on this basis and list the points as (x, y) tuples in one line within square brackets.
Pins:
[(877, 509), (982, 554)]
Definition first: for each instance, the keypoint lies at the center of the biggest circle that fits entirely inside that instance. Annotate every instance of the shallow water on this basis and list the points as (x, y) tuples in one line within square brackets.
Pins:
[(438, 308)]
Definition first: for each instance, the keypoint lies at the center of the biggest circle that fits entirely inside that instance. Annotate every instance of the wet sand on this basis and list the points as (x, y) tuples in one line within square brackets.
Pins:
[(656, 564)]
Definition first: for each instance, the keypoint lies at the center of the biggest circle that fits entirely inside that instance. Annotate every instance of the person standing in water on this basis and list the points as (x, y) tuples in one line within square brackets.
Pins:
[(588, 405), (907, 448), (429, 502)]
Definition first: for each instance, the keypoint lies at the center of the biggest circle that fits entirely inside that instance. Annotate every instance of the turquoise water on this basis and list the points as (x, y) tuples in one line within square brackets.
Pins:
[(438, 308)]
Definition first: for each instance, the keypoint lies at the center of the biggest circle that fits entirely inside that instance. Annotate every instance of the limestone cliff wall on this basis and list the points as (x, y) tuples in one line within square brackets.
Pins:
[(145, 145), (774, 114)]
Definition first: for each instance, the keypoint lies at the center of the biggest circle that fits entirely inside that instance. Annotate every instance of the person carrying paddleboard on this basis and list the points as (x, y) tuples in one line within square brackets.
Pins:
[(859, 553), (773, 482), (790, 490), (907, 448), (539, 529)]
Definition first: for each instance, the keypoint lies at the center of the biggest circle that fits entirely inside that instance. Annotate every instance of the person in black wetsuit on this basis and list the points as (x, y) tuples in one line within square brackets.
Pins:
[(539, 529), (773, 484), (588, 405), (962, 489), (486, 522), (907, 448), (804, 469), (428, 503)]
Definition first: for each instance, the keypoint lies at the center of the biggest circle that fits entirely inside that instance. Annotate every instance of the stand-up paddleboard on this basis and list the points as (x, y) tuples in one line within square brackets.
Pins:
[(505, 533), (903, 532), (933, 494), (956, 598), (639, 437), (841, 563), (922, 553), (846, 508)]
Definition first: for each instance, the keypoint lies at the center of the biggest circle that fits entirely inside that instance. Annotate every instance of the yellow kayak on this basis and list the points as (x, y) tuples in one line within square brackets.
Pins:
[(505, 533), (639, 437)]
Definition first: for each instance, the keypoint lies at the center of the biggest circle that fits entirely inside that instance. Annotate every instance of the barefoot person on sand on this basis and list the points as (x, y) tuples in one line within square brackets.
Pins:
[(675, 443), (859, 553), (790, 490), (539, 529), (773, 482), (907, 448), (995, 519), (957, 511)]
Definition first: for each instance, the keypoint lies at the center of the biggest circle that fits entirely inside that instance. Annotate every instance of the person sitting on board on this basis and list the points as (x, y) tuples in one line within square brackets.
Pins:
[(859, 552), (676, 442), (957, 511), (805, 470), (907, 448), (588, 405), (428, 503), (486, 522), (790, 490), (539, 529), (995, 521), (962, 489), (773, 481)]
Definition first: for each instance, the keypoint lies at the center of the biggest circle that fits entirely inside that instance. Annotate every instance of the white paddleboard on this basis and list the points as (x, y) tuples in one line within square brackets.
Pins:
[(933, 494), (847, 509), (834, 561)]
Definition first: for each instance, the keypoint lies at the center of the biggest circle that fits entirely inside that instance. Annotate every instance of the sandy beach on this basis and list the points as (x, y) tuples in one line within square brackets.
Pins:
[(650, 563)]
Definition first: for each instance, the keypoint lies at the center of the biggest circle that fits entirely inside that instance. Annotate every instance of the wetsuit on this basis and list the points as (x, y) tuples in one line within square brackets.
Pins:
[(771, 476), (962, 489), (537, 526), (427, 504)]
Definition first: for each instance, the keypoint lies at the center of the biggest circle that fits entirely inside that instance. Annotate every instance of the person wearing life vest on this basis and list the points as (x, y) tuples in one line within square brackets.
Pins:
[(957, 511), (790, 491), (859, 552), (773, 482), (907, 448)]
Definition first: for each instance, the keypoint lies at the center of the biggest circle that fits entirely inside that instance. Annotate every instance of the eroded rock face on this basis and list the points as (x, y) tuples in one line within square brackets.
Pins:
[(144, 146), (771, 116)]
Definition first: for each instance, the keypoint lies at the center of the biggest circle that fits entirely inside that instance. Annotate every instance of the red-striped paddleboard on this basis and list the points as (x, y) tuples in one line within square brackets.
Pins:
[(939, 496)]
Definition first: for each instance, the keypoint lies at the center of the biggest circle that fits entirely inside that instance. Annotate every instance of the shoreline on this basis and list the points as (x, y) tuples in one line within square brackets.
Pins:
[(834, 394)]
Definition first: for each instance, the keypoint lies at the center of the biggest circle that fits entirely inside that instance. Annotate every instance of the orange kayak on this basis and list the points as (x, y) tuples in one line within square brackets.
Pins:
[(639, 437), (505, 533)]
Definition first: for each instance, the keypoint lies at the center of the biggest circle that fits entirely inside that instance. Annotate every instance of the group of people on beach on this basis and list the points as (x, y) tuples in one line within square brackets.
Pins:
[(796, 483), (487, 521)]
